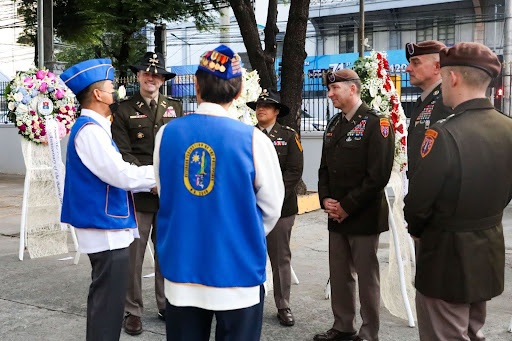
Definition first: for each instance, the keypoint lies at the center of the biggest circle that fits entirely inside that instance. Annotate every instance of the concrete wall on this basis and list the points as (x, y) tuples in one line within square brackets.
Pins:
[(11, 158), (312, 145)]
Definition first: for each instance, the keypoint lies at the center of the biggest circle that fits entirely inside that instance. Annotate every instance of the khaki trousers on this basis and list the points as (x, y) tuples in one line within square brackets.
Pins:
[(351, 255), (133, 303), (278, 248), (441, 320)]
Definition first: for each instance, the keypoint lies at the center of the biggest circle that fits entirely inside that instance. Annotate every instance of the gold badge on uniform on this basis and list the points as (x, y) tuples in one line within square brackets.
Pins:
[(140, 135), (428, 142)]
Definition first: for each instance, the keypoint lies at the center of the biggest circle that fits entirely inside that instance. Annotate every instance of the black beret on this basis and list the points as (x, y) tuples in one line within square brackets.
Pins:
[(343, 75), (425, 47), (471, 54)]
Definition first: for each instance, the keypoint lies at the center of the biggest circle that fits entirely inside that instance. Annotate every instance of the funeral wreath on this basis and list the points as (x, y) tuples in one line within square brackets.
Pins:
[(34, 96)]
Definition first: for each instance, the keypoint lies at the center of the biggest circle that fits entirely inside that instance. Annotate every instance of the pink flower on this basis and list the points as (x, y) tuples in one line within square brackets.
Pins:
[(62, 130), (43, 87), (28, 82), (50, 76), (40, 74), (63, 110), (23, 127), (59, 93)]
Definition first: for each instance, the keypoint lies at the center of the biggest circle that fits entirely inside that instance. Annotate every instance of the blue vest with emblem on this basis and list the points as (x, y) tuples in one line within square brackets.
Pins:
[(210, 230), (89, 202)]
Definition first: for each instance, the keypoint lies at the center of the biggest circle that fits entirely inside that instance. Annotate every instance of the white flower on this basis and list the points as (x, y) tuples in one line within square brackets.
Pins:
[(11, 106), (250, 91), (18, 96), (22, 108), (121, 92)]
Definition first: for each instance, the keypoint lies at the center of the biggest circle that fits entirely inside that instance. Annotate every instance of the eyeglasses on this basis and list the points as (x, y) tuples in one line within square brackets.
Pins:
[(108, 92)]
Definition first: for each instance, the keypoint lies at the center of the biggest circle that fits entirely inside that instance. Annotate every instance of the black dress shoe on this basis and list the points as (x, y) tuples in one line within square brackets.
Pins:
[(132, 324), (335, 335), (161, 314), (285, 317)]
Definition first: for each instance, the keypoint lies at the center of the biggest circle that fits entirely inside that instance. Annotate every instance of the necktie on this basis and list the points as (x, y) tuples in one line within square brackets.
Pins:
[(264, 131), (152, 105), (418, 103)]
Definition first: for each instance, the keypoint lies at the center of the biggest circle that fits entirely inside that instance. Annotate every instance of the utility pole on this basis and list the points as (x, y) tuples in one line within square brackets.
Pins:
[(361, 28), (507, 59), (40, 34), (48, 33)]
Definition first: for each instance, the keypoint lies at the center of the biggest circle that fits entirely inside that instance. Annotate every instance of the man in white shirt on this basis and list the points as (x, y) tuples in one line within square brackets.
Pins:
[(97, 201), (221, 193)]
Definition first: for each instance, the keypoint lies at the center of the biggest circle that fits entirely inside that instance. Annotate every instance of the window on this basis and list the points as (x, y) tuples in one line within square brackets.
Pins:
[(446, 30), (424, 30), (368, 36), (346, 34)]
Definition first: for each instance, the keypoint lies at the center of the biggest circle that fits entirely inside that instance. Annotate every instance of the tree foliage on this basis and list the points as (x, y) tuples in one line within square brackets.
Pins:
[(112, 28)]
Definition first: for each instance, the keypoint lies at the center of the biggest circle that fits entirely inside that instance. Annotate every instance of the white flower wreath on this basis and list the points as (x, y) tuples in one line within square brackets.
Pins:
[(35, 95), (250, 91), (379, 92)]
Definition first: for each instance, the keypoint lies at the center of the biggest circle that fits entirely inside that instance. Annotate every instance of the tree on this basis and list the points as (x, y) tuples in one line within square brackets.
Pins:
[(263, 60), (114, 28)]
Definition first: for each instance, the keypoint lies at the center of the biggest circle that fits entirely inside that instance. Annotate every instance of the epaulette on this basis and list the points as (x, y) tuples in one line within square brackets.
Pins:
[(289, 128), (174, 99), (444, 120), (374, 112)]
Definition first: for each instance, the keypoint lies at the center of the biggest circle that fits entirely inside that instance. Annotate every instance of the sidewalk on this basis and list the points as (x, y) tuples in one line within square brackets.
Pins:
[(45, 299)]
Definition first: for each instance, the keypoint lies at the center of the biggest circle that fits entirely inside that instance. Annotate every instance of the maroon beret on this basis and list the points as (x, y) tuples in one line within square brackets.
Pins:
[(343, 75), (471, 54), (425, 47)]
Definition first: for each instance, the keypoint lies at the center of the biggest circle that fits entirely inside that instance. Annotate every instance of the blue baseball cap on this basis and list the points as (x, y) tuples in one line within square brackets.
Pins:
[(221, 62), (83, 74)]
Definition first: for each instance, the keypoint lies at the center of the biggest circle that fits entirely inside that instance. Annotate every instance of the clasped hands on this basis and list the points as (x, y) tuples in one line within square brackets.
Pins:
[(154, 190), (334, 210)]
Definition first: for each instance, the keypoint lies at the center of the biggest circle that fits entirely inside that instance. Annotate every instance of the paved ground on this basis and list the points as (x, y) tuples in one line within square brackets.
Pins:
[(45, 299)]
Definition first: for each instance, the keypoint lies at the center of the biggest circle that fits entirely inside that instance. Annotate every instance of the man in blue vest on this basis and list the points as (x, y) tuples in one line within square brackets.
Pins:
[(97, 201), (221, 193)]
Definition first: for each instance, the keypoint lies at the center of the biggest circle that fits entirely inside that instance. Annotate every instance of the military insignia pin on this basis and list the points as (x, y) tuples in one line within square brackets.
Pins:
[(140, 135)]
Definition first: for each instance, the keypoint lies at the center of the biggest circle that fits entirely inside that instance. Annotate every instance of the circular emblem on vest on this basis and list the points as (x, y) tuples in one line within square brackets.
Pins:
[(199, 169)]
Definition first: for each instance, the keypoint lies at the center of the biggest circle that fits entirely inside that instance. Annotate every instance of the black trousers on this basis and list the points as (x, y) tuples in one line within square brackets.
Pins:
[(194, 324), (105, 303)]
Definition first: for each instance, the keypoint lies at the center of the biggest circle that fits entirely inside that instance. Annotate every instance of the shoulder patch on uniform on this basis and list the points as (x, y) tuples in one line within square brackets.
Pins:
[(428, 142), (298, 142), (384, 127)]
